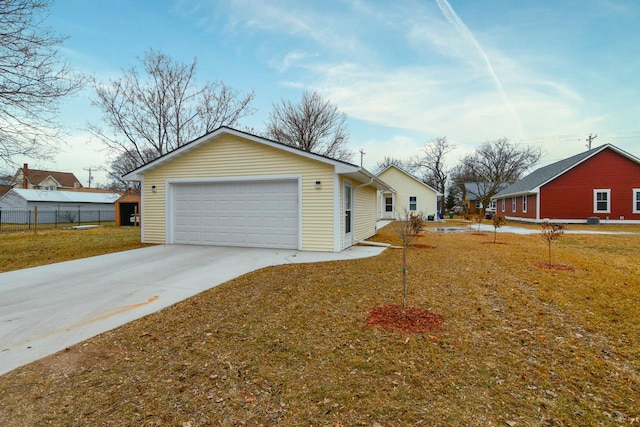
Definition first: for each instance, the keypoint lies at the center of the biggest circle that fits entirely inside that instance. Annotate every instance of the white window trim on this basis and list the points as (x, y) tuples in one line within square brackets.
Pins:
[(504, 203), (635, 191), (514, 204), (595, 199), (524, 204), (393, 203), (409, 203)]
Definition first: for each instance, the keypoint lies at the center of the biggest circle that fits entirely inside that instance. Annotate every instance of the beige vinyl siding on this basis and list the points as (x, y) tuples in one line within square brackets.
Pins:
[(231, 156), (406, 186), (365, 212)]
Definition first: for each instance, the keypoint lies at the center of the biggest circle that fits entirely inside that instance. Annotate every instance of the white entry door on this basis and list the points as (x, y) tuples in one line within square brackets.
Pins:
[(348, 214), (259, 214), (388, 206)]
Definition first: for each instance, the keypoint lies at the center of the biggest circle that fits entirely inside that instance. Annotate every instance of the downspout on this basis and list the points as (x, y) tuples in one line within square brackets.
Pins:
[(364, 185)]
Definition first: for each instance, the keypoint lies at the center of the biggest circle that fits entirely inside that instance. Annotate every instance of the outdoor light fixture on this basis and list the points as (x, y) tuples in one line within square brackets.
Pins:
[(318, 185), (153, 189)]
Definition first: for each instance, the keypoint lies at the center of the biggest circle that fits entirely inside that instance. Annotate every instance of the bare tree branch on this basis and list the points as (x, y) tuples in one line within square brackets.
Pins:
[(160, 108), (33, 79), (406, 165), (433, 166), (314, 125), (496, 163)]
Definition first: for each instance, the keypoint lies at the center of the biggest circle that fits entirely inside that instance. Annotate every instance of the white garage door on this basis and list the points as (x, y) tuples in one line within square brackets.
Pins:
[(259, 214)]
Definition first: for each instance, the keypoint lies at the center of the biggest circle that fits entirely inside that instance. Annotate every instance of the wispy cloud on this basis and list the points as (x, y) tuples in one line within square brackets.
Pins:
[(422, 69), (466, 34)]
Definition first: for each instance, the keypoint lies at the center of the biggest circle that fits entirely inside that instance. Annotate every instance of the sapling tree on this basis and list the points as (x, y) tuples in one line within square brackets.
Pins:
[(407, 229), (551, 232), (478, 218), (498, 221)]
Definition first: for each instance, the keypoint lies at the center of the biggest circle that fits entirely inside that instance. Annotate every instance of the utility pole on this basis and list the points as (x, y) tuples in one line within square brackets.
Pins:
[(89, 169), (362, 153), (589, 140)]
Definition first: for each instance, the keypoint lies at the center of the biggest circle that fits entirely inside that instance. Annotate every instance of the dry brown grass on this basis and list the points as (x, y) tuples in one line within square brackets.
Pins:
[(288, 345)]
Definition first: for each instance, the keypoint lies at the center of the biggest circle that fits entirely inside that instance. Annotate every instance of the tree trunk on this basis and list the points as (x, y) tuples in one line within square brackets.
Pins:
[(404, 277)]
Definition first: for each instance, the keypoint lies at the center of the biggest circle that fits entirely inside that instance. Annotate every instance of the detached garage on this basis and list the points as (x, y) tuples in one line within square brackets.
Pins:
[(231, 188)]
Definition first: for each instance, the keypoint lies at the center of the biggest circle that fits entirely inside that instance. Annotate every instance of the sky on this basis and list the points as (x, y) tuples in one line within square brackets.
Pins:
[(540, 73)]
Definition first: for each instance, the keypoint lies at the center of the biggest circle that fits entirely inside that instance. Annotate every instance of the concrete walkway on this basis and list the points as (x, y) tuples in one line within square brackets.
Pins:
[(521, 230), (46, 309)]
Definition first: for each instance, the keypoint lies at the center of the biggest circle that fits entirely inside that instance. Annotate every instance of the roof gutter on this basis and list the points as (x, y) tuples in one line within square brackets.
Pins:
[(366, 183), (520, 193)]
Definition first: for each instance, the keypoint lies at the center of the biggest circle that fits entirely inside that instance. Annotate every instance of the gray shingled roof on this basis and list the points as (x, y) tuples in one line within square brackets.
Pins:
[(547, 173), (475, 190)]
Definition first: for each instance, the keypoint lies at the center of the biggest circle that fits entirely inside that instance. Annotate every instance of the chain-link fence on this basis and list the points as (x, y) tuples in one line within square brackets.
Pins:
[(32, 219)]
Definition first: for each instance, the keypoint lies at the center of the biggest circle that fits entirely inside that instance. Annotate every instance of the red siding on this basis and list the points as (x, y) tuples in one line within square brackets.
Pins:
[(508, 209), (570, 196)]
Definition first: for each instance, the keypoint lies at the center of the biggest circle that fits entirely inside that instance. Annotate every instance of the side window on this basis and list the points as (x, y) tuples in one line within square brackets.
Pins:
[(413, 203), (636, 200), (504, 202), (602, 201), (524, 203), (388, 204), (513, 204)]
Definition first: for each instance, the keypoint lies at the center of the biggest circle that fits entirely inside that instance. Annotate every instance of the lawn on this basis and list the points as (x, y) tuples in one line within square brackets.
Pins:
[(30, 249), (288, 345)]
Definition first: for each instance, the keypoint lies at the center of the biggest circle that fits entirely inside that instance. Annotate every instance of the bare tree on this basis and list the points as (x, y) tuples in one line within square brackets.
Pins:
[(432, 164), (124, 163), (405, 165), (496, 164), (155, 111), (314, 125), (551, 232), (407, 229), (33, 79), (497, 221)]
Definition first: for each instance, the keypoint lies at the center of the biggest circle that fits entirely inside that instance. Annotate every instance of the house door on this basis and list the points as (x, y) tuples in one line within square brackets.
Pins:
[(348, 214), (388, 209)]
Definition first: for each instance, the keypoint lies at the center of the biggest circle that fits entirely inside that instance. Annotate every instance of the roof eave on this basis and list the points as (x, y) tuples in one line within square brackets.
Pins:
[(364, 176), (136, 175)]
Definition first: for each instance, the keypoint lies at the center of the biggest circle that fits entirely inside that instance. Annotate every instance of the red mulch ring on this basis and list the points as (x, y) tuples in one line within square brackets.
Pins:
[(421, 246), (561, 267), (494, 243), (412, 320)]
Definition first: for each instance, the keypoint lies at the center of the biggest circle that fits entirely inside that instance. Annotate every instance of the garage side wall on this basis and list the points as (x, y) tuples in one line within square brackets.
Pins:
[(365, 212), (231, 156)]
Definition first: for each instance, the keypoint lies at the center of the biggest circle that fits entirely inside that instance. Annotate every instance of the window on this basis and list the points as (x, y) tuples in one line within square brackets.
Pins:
[(636, 200), (524, 203), (478, 204), (602, 201), (504, 202), (513, 204), (388, 204), (413, 203)]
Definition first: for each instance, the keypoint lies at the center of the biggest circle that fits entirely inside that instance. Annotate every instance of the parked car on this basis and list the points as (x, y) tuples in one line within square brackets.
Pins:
[(489, 213)]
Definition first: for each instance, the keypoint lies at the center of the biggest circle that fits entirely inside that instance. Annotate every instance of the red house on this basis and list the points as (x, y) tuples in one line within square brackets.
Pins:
[(603, 182)]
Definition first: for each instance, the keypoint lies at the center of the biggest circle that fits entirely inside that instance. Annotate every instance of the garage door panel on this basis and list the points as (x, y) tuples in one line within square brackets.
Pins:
[(255, 214)]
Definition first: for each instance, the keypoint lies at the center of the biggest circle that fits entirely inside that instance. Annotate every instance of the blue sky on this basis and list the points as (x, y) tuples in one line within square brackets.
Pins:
[(543, 73)]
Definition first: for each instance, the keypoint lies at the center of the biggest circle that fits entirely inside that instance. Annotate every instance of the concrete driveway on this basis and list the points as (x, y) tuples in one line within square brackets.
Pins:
[(46, 309)]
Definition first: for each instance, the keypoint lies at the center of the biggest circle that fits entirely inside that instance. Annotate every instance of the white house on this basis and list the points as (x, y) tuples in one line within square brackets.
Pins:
[(407, 194)]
